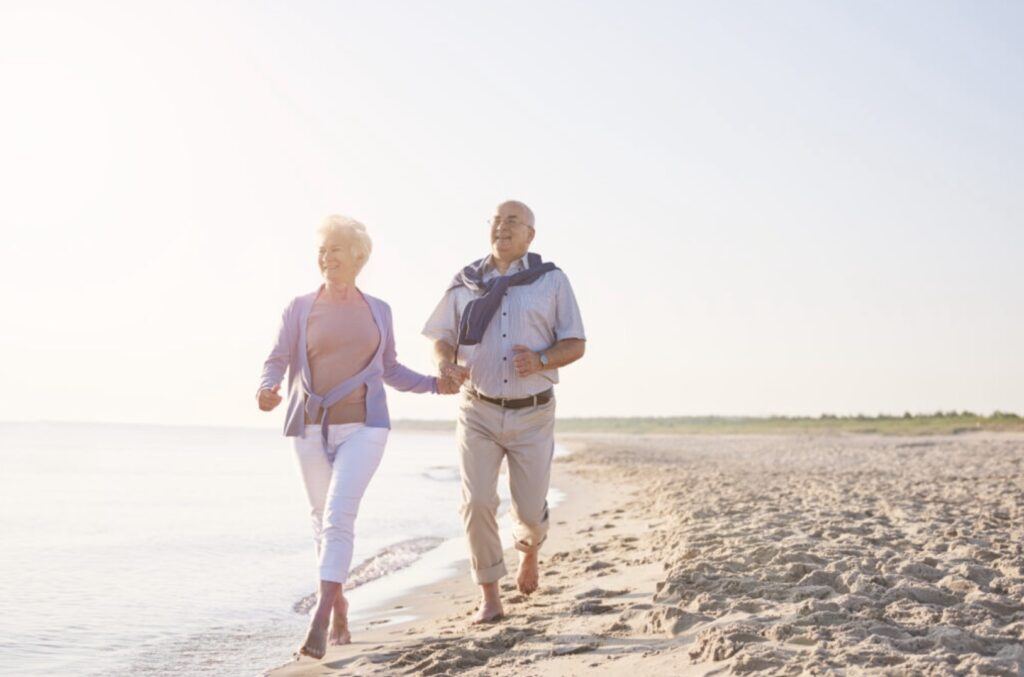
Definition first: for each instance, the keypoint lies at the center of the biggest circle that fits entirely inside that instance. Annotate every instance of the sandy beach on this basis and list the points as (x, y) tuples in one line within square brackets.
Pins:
[(738, 554)]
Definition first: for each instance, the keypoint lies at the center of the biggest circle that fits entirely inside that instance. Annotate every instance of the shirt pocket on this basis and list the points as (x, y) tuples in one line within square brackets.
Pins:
[(540, 310)]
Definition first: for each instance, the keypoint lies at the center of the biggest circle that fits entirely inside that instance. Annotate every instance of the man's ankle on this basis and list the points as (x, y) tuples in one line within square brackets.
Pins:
[(490, 591)]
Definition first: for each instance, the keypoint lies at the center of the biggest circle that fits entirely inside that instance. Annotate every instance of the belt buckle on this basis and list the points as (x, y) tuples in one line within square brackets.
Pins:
[(503, 400)]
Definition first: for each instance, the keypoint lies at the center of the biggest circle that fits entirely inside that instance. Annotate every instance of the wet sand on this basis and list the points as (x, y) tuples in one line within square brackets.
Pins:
[(699, 555)]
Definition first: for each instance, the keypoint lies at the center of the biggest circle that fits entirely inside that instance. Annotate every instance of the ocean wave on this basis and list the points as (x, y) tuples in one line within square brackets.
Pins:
[(442, 473), (386, 561)]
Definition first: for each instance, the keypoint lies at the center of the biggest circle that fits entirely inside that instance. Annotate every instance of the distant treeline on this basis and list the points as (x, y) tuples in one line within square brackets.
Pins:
[(940, 422)]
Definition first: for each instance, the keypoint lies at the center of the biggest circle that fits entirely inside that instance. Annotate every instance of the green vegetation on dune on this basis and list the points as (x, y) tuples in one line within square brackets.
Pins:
[(939, 423)]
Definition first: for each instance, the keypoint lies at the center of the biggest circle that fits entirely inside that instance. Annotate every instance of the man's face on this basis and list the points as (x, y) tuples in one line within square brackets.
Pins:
[(510, 233)]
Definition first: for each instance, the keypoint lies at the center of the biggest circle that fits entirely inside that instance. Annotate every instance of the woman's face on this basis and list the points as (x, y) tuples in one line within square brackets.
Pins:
[(335, 258)]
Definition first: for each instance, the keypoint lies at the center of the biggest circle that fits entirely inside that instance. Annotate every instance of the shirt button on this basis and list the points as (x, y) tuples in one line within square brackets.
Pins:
[(504, 335), (504, 358), (506, 380), (504, 313)]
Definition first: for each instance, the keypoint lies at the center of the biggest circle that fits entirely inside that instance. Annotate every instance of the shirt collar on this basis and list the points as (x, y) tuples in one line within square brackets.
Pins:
[(517, 266)]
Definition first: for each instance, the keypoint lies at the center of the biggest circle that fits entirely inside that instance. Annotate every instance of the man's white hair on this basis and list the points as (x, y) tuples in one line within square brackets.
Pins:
[(353, 234), (527, 212)]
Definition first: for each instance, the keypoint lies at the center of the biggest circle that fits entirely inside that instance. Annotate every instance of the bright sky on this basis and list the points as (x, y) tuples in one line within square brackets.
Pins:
[(765, 208)]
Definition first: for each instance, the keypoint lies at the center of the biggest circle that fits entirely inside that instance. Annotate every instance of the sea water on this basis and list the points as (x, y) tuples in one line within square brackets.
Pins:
[(157, 550)]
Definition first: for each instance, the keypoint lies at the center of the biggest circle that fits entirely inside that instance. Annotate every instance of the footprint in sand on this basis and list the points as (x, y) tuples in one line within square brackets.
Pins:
[(596, 593), (569, 649), (590, 607)]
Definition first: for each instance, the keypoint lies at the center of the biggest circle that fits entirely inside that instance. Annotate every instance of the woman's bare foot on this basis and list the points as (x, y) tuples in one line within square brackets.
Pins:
[(490, 605), (529, 575), (315, 644), (338, 633)]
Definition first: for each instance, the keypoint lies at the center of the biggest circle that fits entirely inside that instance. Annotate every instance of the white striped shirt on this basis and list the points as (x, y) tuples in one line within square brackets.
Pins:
[(536, 315)]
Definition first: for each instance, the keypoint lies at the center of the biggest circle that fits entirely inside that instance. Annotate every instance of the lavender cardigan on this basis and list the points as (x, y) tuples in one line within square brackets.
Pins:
[(290, 353)]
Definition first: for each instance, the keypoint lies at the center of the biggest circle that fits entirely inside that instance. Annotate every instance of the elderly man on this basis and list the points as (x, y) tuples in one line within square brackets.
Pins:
[(505, 325)]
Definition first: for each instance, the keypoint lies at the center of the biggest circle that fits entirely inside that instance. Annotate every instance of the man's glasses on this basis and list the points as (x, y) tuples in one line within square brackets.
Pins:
[(510, 221)]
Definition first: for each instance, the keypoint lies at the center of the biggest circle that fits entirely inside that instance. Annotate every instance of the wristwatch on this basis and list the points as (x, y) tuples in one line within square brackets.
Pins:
[(544, 359)]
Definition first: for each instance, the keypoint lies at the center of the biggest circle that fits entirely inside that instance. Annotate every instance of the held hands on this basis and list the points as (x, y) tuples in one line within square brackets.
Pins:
[(268, 398), (525, 361), (450, 378)]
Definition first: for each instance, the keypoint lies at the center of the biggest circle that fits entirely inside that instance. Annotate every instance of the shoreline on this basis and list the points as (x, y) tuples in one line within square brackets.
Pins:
[(442, 559), (447, 603), (743, 554), (371, 600)]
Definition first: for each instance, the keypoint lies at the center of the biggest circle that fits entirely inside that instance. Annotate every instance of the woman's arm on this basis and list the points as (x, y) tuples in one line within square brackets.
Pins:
[(276, 364), (396, 374)]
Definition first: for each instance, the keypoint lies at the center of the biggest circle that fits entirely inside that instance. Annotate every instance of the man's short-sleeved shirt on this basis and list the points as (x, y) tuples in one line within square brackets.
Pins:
[(536, 315)]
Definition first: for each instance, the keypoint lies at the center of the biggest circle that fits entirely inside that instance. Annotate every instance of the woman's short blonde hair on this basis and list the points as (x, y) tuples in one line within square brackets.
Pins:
[(352, 232)]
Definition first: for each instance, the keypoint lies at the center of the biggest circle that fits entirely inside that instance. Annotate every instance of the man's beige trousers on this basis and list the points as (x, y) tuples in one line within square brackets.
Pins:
[(486, 434)]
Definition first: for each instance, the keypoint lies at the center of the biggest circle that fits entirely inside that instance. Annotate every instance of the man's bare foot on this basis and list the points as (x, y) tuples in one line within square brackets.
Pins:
[(490, 604), (489, 613), (338, 633), (315, 644), (529, 576)]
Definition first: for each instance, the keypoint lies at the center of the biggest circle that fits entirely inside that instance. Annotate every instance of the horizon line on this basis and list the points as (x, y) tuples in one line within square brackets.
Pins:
[(950, 413)]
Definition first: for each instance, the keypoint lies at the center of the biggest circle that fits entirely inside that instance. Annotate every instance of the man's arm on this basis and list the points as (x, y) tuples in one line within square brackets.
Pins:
[(444, 353), (564, 352), (452, 374), (442, 327)]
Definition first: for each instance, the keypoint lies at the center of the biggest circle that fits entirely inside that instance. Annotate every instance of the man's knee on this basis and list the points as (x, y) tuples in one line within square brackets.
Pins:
[(478, 506)]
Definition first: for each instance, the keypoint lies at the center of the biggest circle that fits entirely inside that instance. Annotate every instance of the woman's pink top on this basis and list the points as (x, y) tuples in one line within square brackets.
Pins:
[(341, 339), (290, 355)]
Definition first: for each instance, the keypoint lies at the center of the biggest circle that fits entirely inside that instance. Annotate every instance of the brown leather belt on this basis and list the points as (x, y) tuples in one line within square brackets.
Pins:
[(531, 401)]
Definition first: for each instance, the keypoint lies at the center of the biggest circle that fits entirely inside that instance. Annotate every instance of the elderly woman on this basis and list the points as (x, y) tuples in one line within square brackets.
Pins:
[(338, 348)]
